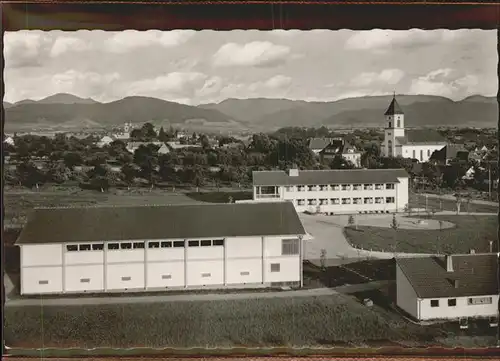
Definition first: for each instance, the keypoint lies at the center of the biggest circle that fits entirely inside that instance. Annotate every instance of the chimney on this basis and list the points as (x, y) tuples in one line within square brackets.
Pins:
[(472, 251), (449, 263), (293, 172)]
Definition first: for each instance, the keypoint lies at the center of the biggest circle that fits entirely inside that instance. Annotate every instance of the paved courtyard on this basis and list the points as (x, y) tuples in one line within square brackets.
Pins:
[(327, 232)]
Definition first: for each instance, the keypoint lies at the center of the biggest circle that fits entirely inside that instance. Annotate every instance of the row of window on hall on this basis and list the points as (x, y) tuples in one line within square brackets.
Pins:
[(338, 187), (113, 246), (356, 200), (288, 246)]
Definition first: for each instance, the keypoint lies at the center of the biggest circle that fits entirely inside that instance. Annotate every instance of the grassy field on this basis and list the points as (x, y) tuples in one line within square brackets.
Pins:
[(325, 320), (18, 202), (418, 201), (470, 232), (220, 197)]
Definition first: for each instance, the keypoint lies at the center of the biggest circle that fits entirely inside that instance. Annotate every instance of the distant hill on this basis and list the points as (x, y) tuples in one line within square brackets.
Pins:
[(135, 109), (420, 110), (251, 109), (59, 98), (7, 105), (259, 114)]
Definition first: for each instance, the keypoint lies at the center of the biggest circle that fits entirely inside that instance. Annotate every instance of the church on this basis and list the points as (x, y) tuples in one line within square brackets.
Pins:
[(408, 143)]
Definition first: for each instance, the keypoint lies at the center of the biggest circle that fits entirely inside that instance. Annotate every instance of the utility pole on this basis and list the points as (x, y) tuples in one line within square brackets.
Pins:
[(489, 181)]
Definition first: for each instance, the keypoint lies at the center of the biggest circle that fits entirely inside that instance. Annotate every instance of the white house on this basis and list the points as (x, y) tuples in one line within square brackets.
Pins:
[(106, 249), (133, 146), (106, 140), (449, 287), (335, 191), (408, 143), (340, 147), (9, 140), (164, 149)]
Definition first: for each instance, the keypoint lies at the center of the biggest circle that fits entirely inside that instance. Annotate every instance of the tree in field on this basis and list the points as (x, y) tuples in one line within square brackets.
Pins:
[(162, 135), (146, 158), (351, 221), (322, 259), (29, 175), (58, 173), (128, 173), (72, 159)]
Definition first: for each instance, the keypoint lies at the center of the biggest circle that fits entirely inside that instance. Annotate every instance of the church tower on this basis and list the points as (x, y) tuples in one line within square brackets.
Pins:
[(394, 128)]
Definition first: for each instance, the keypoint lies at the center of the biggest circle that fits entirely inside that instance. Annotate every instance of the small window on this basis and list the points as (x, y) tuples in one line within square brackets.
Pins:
[(204, 275), (126, 245), (206, 243), (43, 282), (84, 247), (154, 245), (113, 246), (85, 280), (194, 243), (434, 303), (178, 244), (452, 302), (289, 247), (166, 277), (246, 273), (275, 267), (97, 247), (218, 242), (72, 248), (166, 244), (138, 245), (389, 200), (479, 301), (126, 278)]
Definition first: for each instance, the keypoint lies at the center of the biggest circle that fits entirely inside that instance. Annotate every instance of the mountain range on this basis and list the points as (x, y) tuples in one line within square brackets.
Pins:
[(67, 111)]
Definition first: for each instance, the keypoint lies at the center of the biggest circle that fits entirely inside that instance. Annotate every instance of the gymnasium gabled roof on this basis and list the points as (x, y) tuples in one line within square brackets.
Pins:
[(91, 224)]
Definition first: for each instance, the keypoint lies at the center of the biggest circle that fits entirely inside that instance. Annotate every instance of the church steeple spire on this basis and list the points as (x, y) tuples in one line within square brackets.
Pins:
[(394, 107)]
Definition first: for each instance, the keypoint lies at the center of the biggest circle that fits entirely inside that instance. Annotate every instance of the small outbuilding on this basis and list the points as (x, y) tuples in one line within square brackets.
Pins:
[(448, 287)]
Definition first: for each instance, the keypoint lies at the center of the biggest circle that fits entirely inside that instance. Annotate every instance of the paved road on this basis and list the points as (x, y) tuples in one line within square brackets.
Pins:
[(190, 297)]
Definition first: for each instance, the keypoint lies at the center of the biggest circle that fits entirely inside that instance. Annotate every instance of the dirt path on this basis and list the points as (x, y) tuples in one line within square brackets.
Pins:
[(101, 300)]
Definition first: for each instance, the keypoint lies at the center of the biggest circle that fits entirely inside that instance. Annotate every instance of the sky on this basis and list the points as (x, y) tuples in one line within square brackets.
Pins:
[(194, 67)]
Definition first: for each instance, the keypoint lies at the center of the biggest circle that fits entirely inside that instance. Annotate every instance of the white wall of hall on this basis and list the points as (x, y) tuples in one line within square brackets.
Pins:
[(244, 271), (124, 255), (205, 253), (204, 273), (80, 258), (41, 280), (243, 247), (289, 269), (165, 274), (41, 255), (83, 278), (125, 276)]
